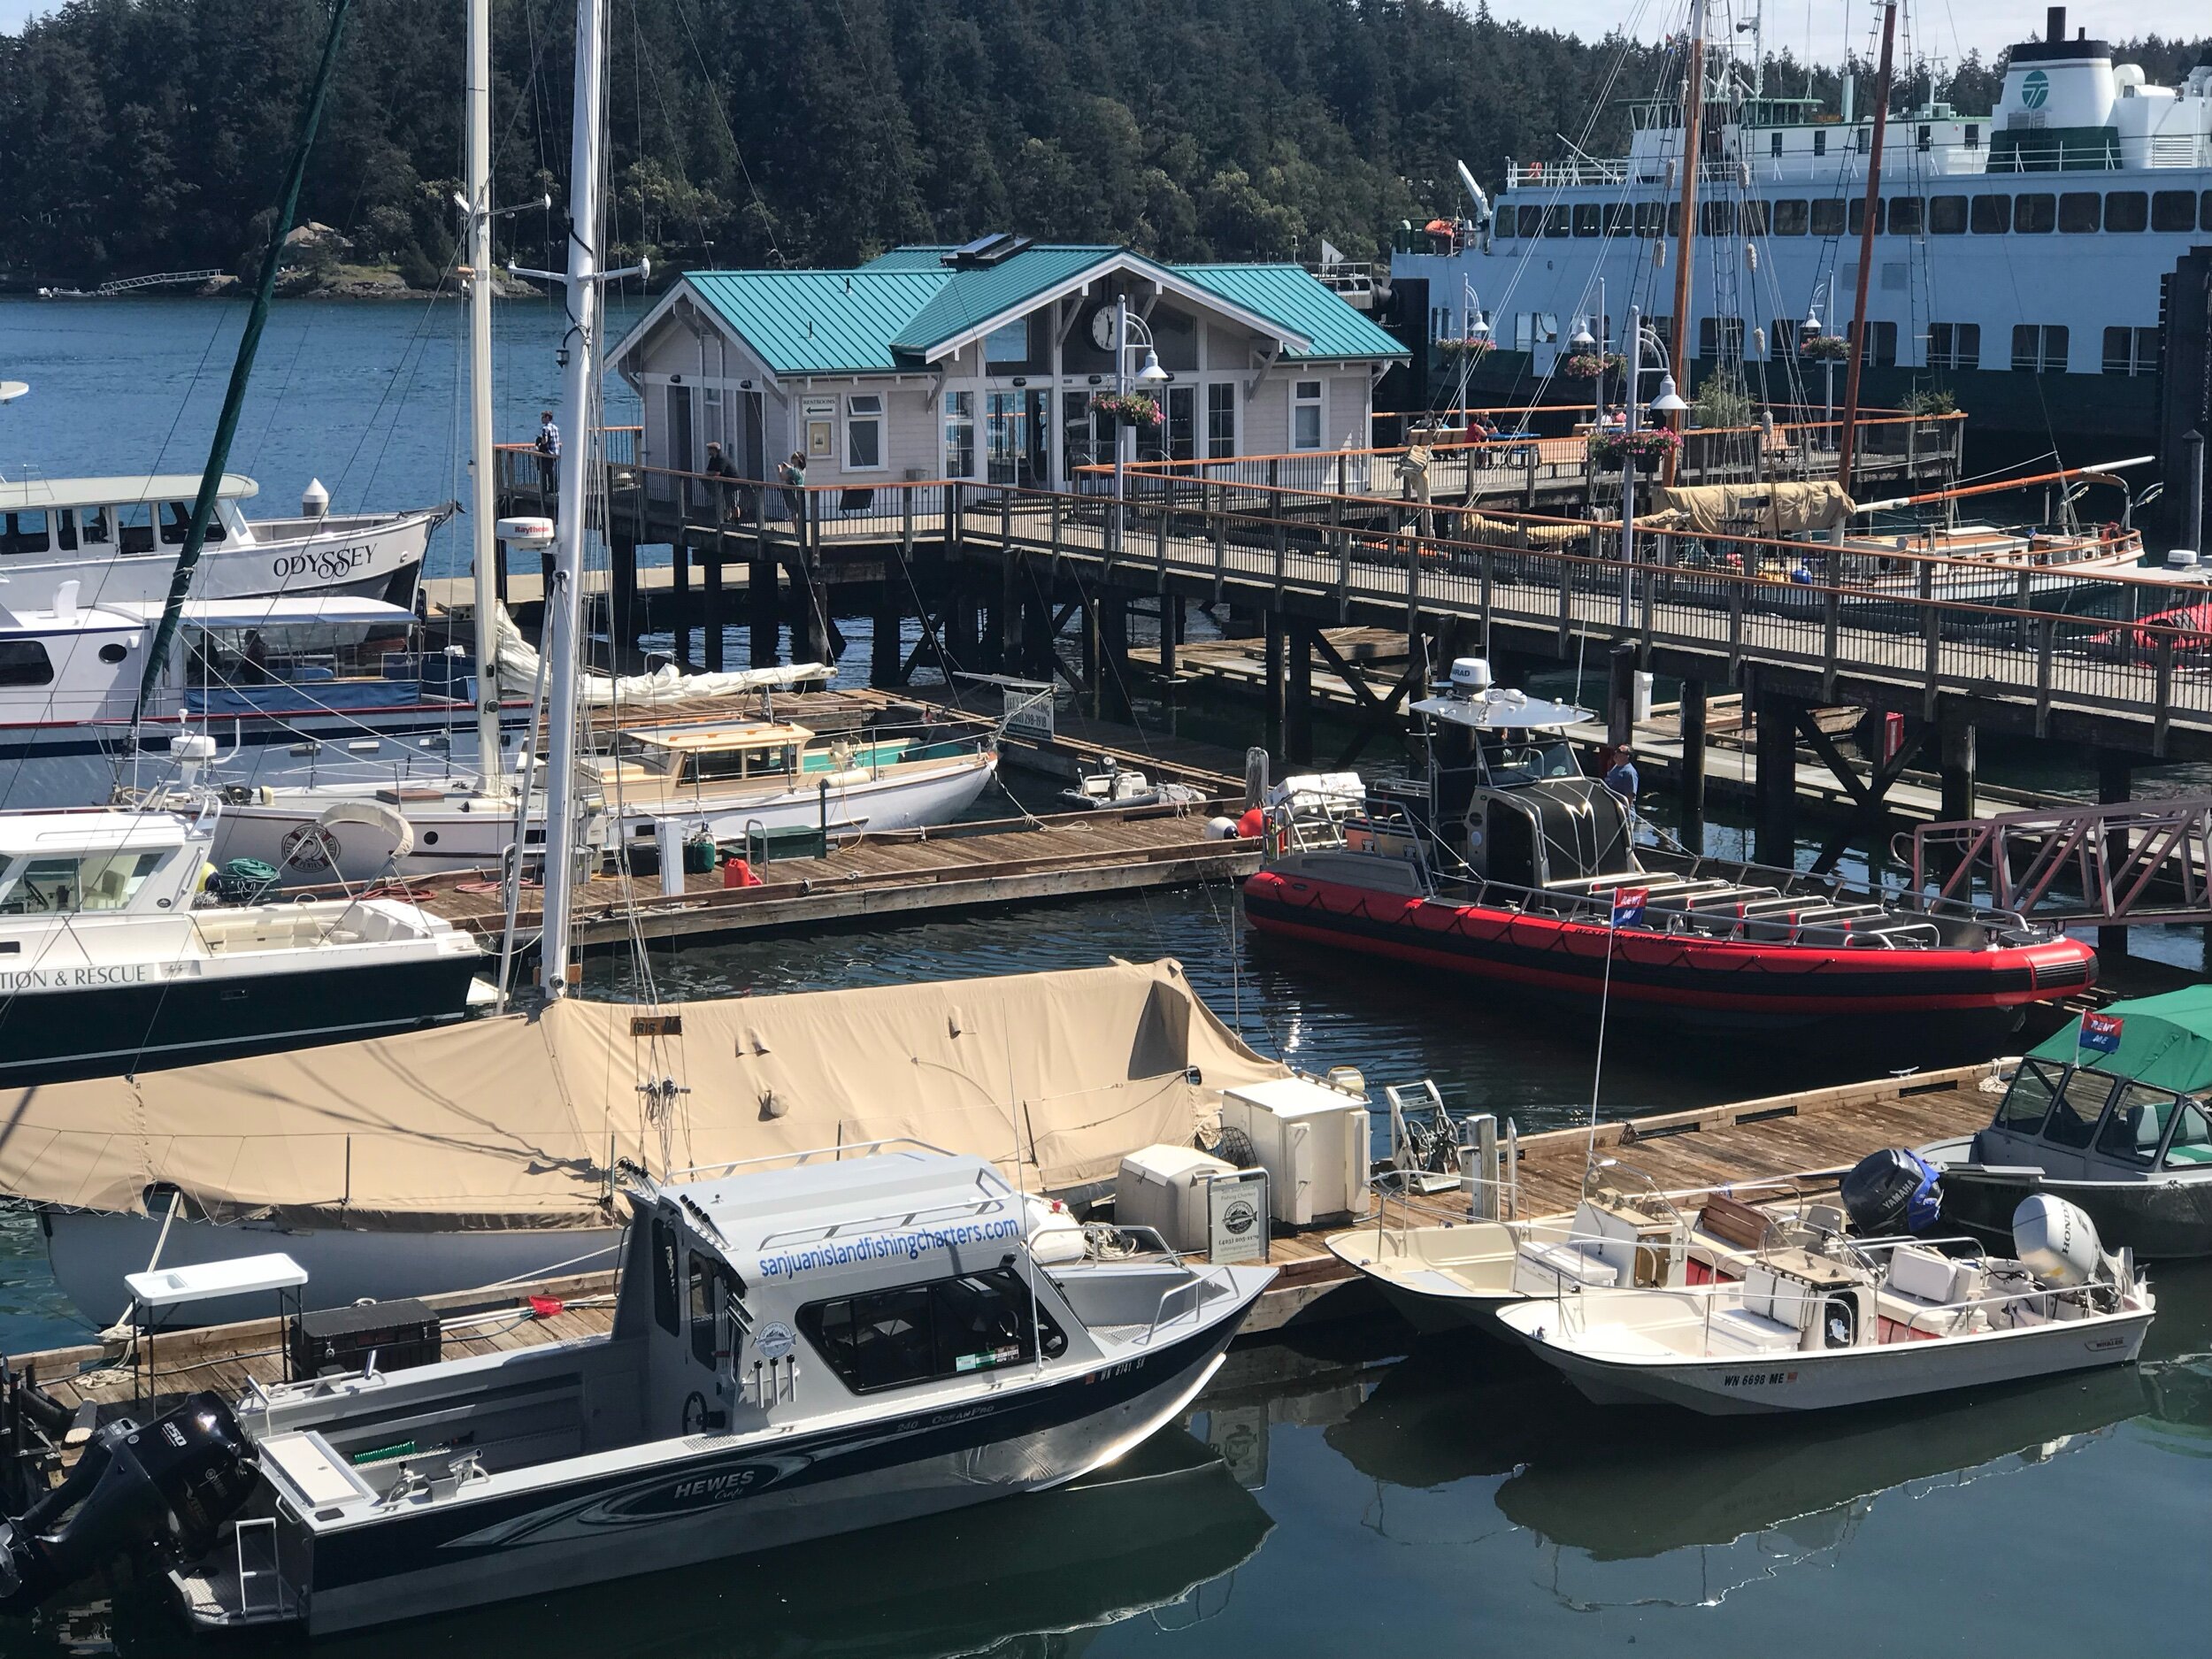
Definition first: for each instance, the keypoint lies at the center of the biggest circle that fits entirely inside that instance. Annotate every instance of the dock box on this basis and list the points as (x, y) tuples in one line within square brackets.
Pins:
[(401, 1333), (1164, 1187), (1312, 1140)]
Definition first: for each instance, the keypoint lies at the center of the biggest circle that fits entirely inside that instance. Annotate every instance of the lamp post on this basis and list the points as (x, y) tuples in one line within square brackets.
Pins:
[(1471, 327), (1813, 328), (1150, 375), (1668, 403)]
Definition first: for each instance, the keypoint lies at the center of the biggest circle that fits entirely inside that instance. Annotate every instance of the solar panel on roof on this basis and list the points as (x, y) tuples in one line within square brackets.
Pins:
[(986, 252)]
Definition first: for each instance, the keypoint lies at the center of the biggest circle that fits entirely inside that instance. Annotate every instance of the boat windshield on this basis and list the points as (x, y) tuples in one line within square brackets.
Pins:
[(1527, 757), (60, 886)]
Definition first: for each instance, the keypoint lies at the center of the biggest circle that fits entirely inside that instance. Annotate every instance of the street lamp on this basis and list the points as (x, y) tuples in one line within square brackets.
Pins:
[(1150, 375), (1669, 402)]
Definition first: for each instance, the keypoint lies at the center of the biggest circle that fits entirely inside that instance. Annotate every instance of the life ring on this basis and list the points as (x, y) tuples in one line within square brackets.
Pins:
[(310, 847)]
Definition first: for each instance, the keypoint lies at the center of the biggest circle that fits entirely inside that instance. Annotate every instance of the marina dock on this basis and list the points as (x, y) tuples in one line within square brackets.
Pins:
[(1769, 1147)]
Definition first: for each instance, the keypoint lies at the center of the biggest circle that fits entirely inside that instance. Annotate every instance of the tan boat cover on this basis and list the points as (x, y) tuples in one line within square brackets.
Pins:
[(1756, 508), (516, 1121)]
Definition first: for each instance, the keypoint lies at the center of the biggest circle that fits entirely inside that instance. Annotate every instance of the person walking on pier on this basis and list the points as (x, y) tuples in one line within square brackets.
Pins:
[(792, 474), (549, 448)]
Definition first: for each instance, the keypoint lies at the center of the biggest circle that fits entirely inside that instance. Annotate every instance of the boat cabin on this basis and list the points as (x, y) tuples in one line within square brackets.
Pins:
[(70, 864), (2078, 1121), (107, 518), (764, 751)]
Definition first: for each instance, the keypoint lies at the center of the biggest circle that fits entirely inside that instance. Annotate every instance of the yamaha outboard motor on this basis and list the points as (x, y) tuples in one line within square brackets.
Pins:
[(171, 1484), (1890, 1192)]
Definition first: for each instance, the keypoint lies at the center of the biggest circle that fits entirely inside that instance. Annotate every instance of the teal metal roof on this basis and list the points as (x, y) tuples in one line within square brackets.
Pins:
[(1300, 302), (897, 309), (970, 298), (819, 322)]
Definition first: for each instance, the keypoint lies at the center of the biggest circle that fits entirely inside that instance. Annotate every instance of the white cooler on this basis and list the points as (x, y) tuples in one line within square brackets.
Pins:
[(1164, 1187), (1312, 1142)]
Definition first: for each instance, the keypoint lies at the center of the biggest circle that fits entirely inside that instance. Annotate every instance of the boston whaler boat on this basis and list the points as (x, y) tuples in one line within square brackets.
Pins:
[(2109, 1114), (863, 1335), (1507, 862)]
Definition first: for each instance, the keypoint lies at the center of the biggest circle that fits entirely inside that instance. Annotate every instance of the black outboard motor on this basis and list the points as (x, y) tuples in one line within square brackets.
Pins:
[(1890, 1192), (172, 1485)]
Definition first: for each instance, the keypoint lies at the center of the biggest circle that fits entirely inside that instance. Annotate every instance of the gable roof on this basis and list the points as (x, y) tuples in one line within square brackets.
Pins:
[(907, 308)]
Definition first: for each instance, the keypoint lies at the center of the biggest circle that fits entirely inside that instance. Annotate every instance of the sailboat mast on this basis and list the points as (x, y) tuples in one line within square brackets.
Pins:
[(1686, 239), (1866, 251), (564, 605), (483, 504)]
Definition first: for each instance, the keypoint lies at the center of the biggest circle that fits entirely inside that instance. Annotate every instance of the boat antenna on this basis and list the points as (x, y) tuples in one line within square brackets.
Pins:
[(241, 373), (1866, 247)]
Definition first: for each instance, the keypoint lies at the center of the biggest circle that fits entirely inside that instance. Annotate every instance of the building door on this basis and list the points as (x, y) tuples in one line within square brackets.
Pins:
[(1036, 418), (1182, 423), (752, 441), (1006, 444), (678, 457), (1078, 436)]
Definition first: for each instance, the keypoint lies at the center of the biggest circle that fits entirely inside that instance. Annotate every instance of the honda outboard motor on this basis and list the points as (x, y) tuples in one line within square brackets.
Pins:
[(171, 1484), (1890, 1192)]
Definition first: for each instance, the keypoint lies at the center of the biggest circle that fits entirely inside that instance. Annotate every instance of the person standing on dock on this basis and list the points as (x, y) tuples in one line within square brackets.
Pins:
[(548, 448), (792, 474)]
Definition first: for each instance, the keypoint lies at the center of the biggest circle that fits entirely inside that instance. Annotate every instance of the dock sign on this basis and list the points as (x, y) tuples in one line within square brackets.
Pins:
[(1236, 1218), (2101, 1032), (1628, 905)]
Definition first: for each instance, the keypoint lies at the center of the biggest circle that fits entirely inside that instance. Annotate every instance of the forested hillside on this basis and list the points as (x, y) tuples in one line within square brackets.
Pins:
[(141, 135)]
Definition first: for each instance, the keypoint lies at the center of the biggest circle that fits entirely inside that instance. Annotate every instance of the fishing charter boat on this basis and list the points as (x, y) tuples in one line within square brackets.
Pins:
[(119, 538), (2109, 1113), (1507, 863), (801, 1348), (1859, 1321)]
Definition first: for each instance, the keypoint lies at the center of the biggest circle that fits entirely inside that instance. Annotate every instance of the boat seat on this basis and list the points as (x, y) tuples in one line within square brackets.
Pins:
[(1546, 1269), (1740, 1330)]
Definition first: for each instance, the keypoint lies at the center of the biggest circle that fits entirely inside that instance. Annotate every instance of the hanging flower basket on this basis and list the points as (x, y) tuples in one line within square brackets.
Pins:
[(1826, 348), (1587, 365), (1648, 446), (1474, 347), (1129, 409)]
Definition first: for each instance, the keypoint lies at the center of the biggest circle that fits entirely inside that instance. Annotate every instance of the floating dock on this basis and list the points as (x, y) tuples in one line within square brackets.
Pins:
[(1785, 1144)]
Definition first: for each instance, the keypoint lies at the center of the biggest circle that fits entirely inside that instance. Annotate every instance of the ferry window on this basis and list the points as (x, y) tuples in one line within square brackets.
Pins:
[(2035, 214), (1954, 345), (2039, 348), (2191, 1144), (26, 533), (2080, 213), (135, 523), (1752, 218), (1946, 216), (2028, 1099), (1992, 215), (1506, 220), (1617, 219), (1789, 217), (93, 526), (1881, 343), (1857, 216), (2173, 210), (1820, 141), (863, 432), (1923, 141), (1828, 217), (1860, 139), (1782, 338), (666, 1311), (959, 435), (921, 1333), (2204, 210), (1586, 219), (1720, 336), (1674, 221), (1649, 216), (1555, 221), (1717, 218), (1305, 415), (1774, 144), (1906, 215), (2130, 351), (1973, 136), (2137, 1123), (1532, 221), (25, 663), (1221, 420), (2127, 211), (2074, 1112)]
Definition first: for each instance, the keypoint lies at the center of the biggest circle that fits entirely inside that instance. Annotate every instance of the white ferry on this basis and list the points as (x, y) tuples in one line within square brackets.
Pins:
[(2018, 254), (118, 540)]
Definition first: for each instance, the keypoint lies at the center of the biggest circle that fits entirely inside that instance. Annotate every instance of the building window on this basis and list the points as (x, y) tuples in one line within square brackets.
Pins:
[(1954, 345), (2080, 213), (1946, 216), (863, 432), (2035, 214), (1789, 217), (2039, 348), (1221, 420), (1828, 217), (1007, 346), (959, 435), (1305, 415), (1992, 215), (2130, 351), (2174, 210), (1881, 343), (2127, 211)]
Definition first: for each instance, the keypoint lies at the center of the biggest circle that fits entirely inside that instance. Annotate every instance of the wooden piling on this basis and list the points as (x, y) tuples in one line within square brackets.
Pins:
[(1692, 724), (1774, 834), (1298, 695), (679, 600), (1274, 737)]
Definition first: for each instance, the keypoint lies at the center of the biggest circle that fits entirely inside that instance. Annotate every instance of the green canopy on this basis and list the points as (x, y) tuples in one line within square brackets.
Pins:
[(2165, 1041)]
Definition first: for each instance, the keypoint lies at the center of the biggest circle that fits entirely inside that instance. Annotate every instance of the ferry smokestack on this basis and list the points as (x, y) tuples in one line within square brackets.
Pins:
[(2055, 24)]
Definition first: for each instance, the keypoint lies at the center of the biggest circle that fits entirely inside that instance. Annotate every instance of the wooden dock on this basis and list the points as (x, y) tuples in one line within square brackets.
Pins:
[(1785, 1144)]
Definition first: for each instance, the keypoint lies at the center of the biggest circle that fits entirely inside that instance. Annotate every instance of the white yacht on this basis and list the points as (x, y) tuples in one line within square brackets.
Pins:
[(796, 1352), (2019, 252), (119, 538), (112, 960)]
